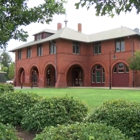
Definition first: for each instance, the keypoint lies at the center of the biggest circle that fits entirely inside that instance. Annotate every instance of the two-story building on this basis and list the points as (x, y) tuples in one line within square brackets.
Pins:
[(66, 57)]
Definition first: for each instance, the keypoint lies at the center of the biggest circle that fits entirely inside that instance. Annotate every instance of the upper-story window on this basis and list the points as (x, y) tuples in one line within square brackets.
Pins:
[(19, 54), (52, 47), (39, 36), (39, 49), (29, 52), (97, 47), (76, 47), (120, 45)]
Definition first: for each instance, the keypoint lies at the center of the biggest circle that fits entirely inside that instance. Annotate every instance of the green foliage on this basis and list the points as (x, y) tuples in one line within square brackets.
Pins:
[(11, 71), (14, 105), (110, 7), (5, 69), (53, 111), (5, 61), (83, 131), (7, 132), (121, 114), (134, 61), (16, 13), (4, 88)]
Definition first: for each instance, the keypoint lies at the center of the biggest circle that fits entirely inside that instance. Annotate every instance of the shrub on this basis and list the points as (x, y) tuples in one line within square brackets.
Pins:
[(121, 114), (53, 111), (83, 131), (7, 132), (6, 88), (14, 105)]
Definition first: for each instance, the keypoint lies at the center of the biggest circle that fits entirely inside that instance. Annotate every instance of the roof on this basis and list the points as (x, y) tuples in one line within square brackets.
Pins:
[(47, 31), (111, 34), (70, 34), (2, 72)]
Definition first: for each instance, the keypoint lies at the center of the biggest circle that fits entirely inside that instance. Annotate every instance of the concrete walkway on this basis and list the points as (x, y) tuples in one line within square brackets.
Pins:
[(128, 88)]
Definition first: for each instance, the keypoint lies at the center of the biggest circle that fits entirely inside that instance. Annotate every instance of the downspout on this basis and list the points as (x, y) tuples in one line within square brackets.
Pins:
[(133, 57)]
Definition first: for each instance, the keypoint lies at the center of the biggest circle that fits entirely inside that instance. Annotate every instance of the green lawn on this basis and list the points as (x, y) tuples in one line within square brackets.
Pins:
[(92, 97)]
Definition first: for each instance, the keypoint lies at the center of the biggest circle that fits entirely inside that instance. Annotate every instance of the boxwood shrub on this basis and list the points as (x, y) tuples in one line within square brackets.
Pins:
[(7, 132), (14, 105), (53, 111), (83, 131), (6, 88), (122, 114)]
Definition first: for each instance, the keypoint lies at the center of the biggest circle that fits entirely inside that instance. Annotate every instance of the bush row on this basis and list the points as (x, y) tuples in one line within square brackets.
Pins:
[(35, 113), (53, 111), (14, 105), (121, 114), (4, 88), (83, 131)]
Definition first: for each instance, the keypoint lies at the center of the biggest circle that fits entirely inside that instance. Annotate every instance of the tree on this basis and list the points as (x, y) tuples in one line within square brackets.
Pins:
[(110, 7), (11, 71), (6, 60), (134, 61), (15, 13)]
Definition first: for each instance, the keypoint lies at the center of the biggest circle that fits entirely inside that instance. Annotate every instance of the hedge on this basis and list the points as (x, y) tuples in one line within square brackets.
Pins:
[(122, 114), (7, 132), (14, 105), (83, 131), (4, 88), (53, 111)]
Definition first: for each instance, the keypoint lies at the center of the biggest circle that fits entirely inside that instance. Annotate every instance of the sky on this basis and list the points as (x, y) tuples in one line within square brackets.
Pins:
[(90, 22)]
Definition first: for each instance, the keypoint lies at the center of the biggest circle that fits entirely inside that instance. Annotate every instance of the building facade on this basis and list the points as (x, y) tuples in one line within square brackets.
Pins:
[(65, 58)]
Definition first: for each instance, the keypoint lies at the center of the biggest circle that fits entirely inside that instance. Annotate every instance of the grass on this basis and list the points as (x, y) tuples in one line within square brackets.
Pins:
[(90, 96)]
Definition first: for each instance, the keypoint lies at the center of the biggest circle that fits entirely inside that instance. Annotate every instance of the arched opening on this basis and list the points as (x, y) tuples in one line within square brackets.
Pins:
[(50, 76), (21, 76), (75, 76), (98, 76), (34, 75), (120, 75)]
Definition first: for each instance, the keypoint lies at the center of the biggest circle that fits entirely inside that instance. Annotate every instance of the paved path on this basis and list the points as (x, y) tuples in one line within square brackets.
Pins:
[(129, 88)]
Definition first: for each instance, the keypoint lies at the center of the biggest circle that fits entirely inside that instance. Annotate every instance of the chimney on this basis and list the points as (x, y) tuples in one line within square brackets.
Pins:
[(59, 26), (79, 27)]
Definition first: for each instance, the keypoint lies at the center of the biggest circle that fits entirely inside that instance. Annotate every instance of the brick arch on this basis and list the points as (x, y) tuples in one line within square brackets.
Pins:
[(100, 63), (33, 65), (45, 66), (120, 78), (34, 73), (98, 74), (75, 74), (118, 61), (75, 63), (21, 75), (49, 74)]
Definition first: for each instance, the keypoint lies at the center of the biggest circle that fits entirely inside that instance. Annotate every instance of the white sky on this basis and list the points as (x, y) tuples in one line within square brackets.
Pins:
[(90, 22)]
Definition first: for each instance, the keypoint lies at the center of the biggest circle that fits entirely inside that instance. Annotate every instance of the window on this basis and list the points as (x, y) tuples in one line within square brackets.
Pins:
[(52, 47), (29, 52), (39, 36), (19, 54), (76, 47), (120, 68), (98, 74), (39, 50), (120, 46), (97, 47)]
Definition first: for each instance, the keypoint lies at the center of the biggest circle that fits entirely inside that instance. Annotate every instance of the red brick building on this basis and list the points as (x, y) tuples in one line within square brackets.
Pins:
[(65, 57)]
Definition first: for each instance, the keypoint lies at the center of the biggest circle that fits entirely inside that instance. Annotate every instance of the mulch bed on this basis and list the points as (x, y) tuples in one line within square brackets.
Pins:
[(24, 135)]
